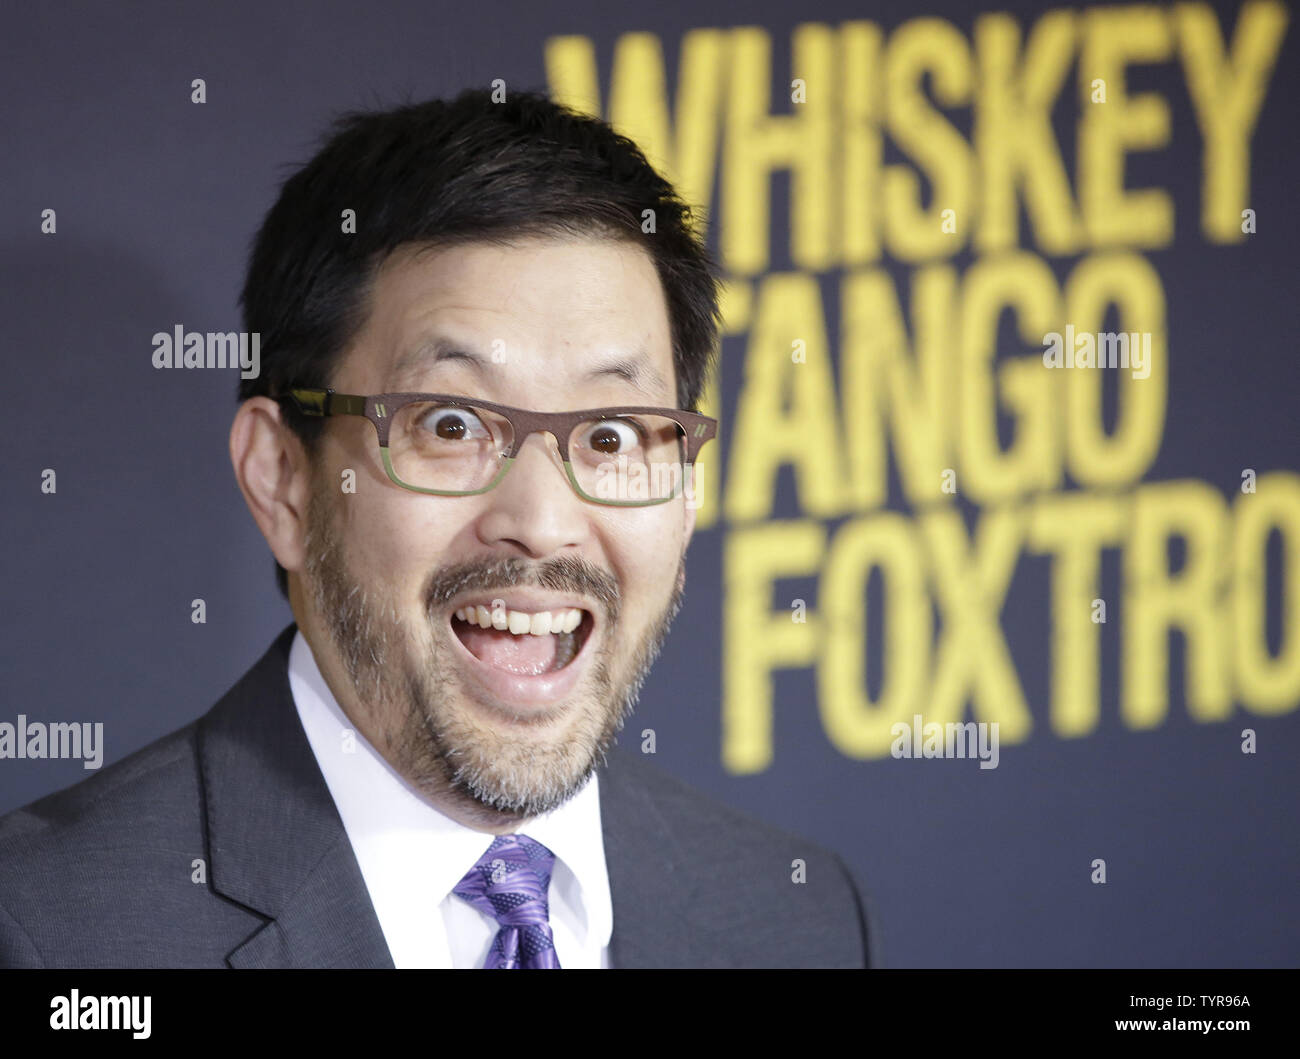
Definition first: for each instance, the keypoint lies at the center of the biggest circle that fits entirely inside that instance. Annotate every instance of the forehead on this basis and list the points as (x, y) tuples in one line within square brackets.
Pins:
[(543, 323)]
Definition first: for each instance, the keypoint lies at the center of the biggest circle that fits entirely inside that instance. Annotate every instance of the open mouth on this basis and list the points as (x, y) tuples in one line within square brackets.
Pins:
[(524, 643)]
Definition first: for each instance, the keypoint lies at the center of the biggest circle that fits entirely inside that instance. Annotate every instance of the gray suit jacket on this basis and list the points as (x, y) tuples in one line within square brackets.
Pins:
[(102, 874)]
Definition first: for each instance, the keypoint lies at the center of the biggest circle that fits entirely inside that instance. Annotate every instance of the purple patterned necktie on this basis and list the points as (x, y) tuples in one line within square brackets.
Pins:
[(509, 883)]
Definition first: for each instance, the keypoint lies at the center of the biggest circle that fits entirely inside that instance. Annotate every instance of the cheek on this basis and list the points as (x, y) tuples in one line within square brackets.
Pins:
[(397, 552), (648, 557)]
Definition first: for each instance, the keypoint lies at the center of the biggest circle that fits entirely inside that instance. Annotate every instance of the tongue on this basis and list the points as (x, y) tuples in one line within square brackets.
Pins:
[(525, 654)]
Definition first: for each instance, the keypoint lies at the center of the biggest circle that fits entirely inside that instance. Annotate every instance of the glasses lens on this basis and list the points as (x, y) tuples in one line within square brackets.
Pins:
[(628, 459), (447, 447)]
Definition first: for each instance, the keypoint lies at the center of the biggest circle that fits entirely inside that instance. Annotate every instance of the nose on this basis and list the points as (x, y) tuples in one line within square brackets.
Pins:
[(534, 507)]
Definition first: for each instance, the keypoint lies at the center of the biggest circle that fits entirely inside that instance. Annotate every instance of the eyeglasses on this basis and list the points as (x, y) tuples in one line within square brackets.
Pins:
[(449, 445)]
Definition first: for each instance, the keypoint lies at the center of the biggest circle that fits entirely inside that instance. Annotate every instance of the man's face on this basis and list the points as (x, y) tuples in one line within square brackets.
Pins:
[(456, 709)]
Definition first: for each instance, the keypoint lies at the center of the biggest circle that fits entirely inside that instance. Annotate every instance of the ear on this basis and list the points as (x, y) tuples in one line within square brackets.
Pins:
[(274, 474)]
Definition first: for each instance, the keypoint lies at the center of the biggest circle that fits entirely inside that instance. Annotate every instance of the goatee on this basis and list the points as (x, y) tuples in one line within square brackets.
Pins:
[(406, 687)]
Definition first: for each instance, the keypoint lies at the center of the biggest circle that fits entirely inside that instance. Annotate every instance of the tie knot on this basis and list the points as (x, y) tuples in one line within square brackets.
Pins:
[(510, 881)]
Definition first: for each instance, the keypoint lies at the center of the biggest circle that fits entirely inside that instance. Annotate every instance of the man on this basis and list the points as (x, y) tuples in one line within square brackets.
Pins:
[(421, 771)]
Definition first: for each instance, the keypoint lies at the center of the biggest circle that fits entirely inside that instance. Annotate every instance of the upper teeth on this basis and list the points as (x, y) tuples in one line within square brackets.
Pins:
[(520, 622)]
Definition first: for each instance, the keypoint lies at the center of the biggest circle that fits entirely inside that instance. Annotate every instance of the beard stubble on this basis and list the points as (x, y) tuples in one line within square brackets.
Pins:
[(407, 687)]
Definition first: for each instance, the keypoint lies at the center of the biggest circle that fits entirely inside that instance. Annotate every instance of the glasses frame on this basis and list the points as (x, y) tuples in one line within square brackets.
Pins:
[(379, 408)]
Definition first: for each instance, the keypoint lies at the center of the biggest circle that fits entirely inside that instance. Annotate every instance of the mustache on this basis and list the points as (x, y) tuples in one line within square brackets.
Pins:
[(567, 574)]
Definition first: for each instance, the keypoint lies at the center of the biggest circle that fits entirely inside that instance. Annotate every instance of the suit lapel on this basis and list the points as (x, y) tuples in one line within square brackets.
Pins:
[(275, 839), (652, 883)]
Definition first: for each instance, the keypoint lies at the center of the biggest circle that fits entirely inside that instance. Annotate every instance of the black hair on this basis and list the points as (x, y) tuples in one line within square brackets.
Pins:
[(443, 173)]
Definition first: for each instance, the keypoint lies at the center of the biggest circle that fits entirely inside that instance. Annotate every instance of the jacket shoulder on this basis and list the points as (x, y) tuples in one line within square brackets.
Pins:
[(701, 817), (787, 893), (87, 873), (135, 797), (114, 871)]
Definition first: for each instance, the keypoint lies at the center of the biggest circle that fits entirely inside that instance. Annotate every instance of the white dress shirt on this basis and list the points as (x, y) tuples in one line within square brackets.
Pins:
[(411, 855)]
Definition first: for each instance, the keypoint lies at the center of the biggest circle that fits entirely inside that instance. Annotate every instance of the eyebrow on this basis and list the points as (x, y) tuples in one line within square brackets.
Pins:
[(635, 370)]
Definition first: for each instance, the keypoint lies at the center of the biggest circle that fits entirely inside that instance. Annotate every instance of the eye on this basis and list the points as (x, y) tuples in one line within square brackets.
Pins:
[(613, 436), (450, 423)]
